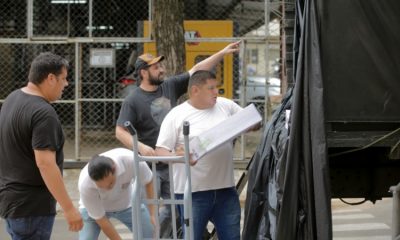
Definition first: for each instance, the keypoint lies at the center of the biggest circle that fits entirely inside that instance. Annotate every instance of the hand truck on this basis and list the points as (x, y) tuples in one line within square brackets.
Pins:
[(137, 199)]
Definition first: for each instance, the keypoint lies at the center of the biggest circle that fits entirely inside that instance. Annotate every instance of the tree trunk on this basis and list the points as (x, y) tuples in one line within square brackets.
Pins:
[(168, 34)]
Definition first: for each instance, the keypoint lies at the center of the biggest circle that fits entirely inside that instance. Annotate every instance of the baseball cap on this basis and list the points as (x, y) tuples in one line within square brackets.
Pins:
[(146, 60)]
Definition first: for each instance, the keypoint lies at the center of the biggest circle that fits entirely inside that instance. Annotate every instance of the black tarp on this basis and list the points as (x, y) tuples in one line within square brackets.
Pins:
[(360, 42), (347, 69), (288, 194)]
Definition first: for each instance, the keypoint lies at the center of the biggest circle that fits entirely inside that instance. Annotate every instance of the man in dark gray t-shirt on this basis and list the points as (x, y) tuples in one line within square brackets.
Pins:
[(146, 110), (31, 154), (146, 106)]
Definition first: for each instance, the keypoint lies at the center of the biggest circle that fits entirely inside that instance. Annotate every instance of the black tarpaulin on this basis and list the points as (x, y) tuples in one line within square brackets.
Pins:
[(360, 42), (288, 194), (262, 191)]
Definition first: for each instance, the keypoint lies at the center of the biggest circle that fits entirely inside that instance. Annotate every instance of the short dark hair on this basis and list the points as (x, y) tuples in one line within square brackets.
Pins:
[(44, 64), (200, 77), (100, 167)]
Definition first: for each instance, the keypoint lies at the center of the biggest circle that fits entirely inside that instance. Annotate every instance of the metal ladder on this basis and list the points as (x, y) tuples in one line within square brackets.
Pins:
[(137, 200)]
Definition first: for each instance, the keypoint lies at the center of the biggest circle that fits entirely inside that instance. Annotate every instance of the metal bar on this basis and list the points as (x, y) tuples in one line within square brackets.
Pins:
[(173, 159), (396, 212), (156, 197), (243, 91), (90, 18), (136, 220), (151, 5), (29, 18), (267, 58), (68, 20), (64, 40), (76, 101), (174, 202), (188, 219)]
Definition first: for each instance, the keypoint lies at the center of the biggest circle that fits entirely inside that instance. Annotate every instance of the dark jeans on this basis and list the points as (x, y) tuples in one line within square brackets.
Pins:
[(30, 228), (221, 207)]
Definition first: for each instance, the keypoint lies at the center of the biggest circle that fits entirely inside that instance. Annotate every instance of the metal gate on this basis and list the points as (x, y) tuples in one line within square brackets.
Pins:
[(98, 37)]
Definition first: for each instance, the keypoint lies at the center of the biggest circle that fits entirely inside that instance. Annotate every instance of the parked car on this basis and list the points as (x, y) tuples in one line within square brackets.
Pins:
[(256, 91), (256, 87), (125, 85)]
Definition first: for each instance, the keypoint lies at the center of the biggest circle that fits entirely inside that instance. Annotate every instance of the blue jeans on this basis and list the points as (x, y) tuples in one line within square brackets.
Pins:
[(30, 228), (221, 207), (91, 230)]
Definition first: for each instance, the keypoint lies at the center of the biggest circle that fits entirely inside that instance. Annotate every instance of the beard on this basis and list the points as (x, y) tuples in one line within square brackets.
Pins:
[(155, 80)]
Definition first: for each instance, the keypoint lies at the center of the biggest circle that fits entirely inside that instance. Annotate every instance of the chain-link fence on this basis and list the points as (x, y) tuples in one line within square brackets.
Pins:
[(99, 39)]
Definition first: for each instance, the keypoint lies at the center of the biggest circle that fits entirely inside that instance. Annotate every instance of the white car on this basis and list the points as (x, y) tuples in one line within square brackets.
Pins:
[(256, 90)]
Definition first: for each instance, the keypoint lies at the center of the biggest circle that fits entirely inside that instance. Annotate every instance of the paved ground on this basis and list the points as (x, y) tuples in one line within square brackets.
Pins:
[(361, 222), (60, 231)]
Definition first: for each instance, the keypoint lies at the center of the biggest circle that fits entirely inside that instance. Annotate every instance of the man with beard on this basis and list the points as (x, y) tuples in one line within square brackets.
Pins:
[(147, 105)]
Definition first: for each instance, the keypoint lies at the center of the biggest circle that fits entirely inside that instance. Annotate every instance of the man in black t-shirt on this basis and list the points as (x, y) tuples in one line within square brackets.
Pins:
[(31, 154), (146, 106)]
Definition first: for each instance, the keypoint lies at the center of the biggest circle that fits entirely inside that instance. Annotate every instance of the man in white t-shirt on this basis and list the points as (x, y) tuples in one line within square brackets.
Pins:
[(105, 188), (214, 196)]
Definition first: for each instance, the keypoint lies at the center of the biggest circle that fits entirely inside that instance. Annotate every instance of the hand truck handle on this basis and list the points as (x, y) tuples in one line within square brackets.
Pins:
[(128, 125), (186, 125)]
